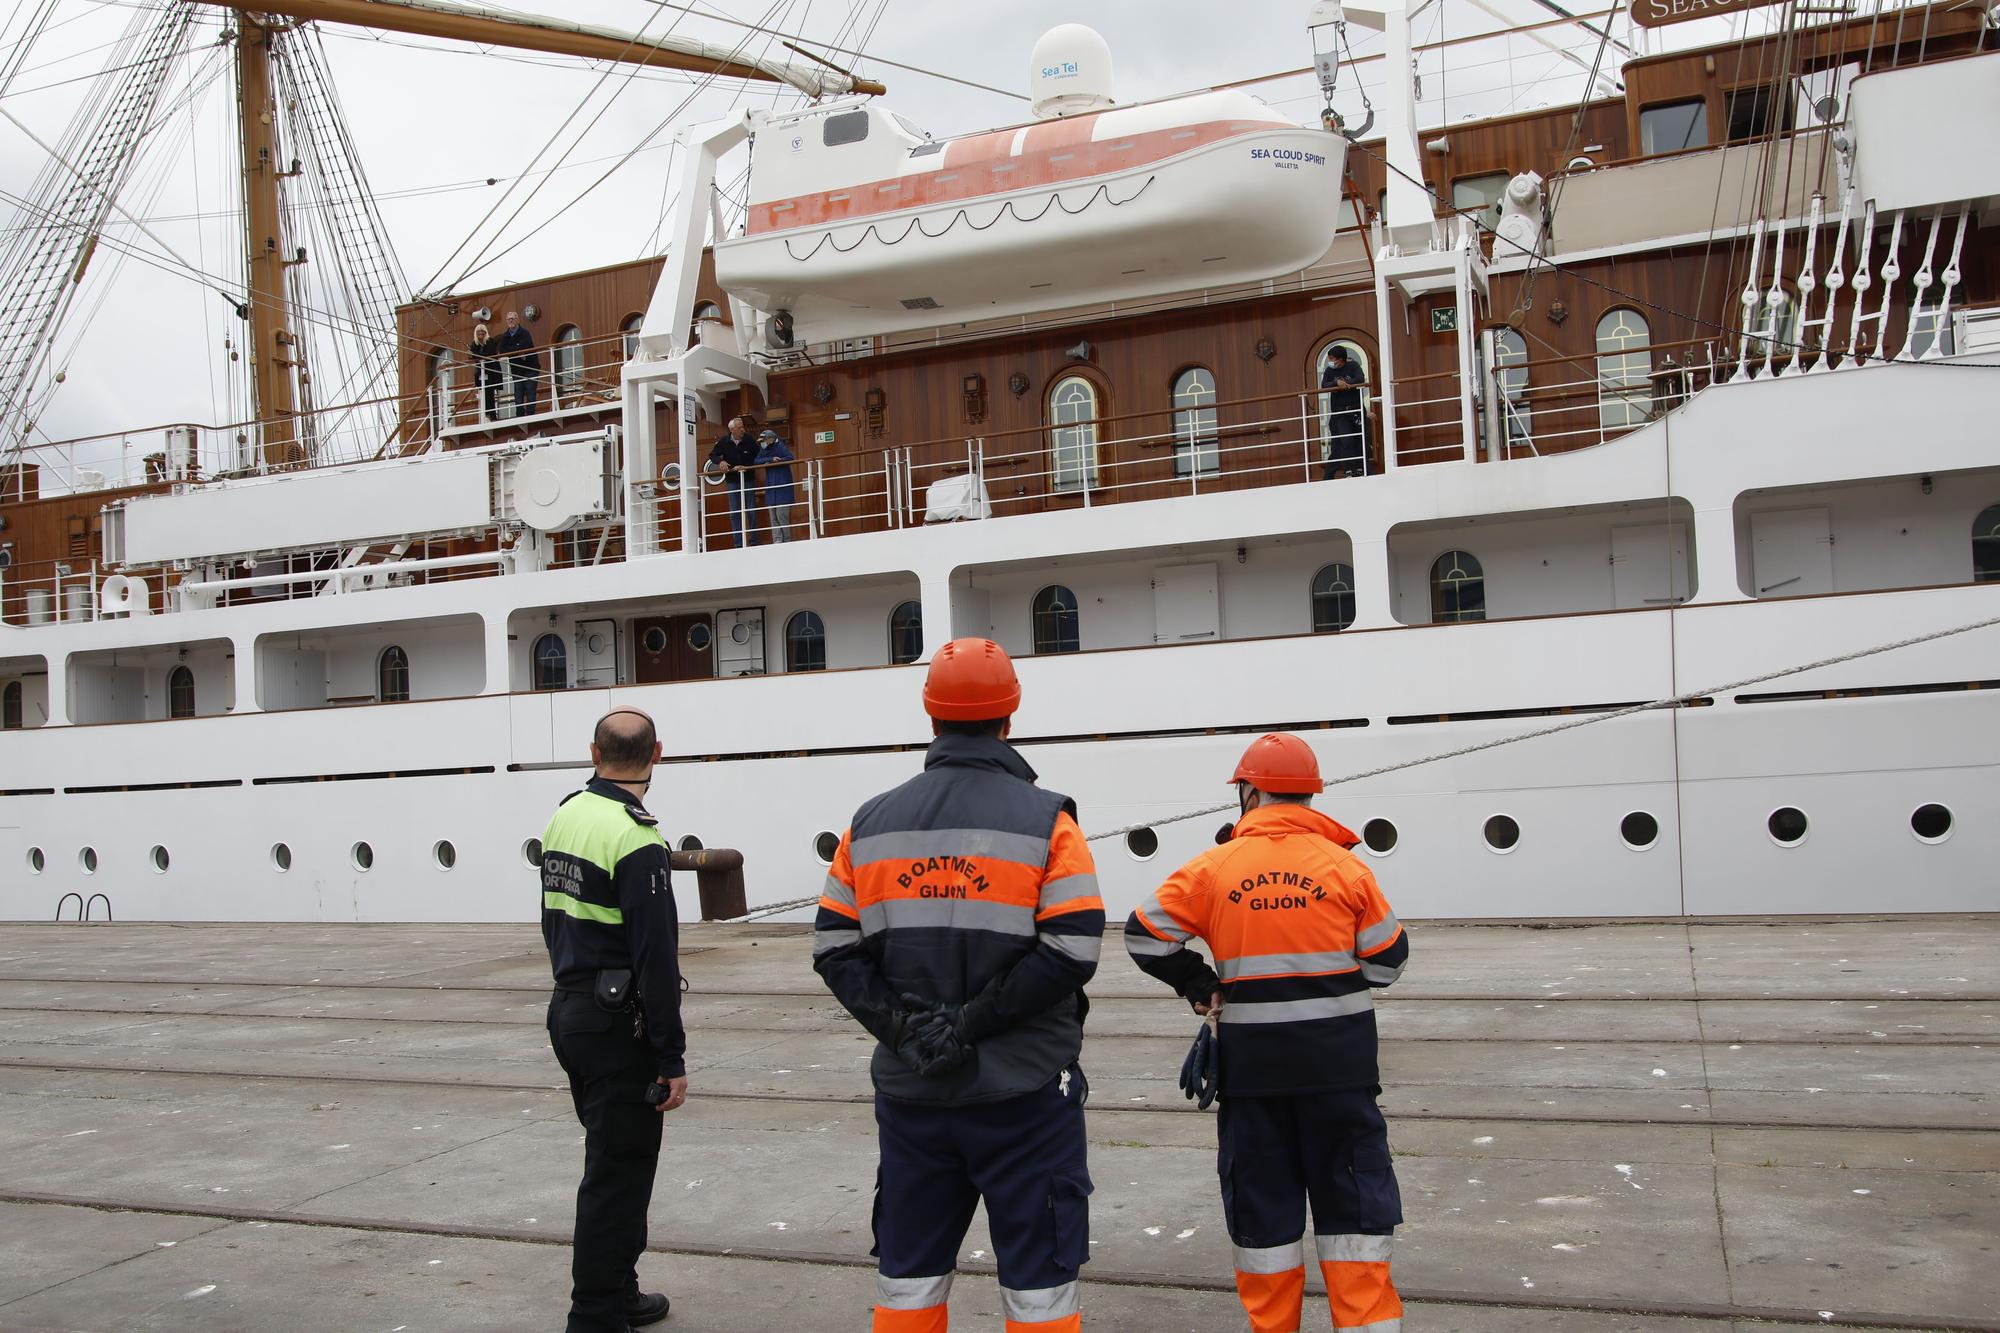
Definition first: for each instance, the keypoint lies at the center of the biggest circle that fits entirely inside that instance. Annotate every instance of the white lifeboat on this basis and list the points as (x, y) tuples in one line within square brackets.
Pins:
[(859, 224)]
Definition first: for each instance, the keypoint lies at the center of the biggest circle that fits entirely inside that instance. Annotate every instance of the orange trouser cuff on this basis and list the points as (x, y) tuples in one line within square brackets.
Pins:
[(1362, 1295), (1272, 1300), (932, 1319)]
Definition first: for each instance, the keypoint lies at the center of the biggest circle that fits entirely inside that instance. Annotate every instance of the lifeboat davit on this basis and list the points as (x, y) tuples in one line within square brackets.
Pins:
[(860, 224)]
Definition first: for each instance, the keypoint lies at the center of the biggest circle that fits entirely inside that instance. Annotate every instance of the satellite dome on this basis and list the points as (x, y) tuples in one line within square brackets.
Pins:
[(1070, 72)]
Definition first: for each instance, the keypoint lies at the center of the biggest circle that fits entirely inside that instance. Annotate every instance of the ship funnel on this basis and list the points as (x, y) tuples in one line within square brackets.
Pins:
[(1070, 72)]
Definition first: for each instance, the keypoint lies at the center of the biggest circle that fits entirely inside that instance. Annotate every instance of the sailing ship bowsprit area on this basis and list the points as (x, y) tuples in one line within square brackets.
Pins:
[(1602, 484)]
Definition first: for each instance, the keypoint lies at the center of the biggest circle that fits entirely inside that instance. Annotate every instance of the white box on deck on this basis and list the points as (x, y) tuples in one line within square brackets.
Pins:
[(327, 507), (1923, 135)]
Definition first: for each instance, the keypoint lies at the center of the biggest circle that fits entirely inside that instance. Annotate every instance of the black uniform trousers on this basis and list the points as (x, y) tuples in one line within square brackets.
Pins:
[(609, 1067)]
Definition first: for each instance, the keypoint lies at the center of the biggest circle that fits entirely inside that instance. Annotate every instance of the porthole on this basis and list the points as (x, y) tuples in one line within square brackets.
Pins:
[(1639, 830), (739, 632), (444, 854), (1503, 833), (1931, 822), (1379, 836), (1787, 826), (670, 479), (1142, 843), (281, 857), (363, 856), (654, 641), (86, 860), (700, 636), (37, 862), (689, 843), (531, 852), (826, 846), (160, 860)]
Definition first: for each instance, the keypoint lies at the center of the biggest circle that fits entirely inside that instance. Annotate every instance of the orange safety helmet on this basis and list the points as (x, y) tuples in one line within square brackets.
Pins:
[(1279, 762), (971, 680)]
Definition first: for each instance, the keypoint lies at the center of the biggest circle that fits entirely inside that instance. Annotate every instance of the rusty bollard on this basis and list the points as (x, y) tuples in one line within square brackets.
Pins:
[(718, 874)]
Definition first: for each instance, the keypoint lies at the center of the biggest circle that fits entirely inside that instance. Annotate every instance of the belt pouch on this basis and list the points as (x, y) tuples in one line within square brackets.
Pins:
[(613, 991)]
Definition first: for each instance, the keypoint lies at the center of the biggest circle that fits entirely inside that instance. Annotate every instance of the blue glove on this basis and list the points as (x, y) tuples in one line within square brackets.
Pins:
[(1198, 1071)]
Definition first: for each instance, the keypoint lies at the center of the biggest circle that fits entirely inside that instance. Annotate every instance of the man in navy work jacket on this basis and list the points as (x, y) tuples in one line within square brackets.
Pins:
[(615, 1018), (958, 925)]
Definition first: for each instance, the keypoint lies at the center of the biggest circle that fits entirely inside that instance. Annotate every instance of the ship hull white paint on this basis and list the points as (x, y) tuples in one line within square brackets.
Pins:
[(798, 752)]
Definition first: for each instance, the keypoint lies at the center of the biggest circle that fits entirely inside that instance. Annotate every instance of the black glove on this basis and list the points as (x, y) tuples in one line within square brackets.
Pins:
[(1201, 987), (935, 1037), (1198, 1072)]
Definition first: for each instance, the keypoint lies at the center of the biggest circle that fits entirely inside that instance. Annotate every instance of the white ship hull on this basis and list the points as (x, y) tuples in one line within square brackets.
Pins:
[(765, 764)]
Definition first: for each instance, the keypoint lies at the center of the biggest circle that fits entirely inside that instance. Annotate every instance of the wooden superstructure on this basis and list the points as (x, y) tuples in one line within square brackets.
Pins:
[(989, 387)]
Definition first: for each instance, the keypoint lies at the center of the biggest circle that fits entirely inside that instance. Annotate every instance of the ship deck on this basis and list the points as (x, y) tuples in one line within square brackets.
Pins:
[(1641, 1127)]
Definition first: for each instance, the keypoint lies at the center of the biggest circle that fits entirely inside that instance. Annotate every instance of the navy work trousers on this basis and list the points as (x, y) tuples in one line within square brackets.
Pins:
[(1025, 1157), (1276, 1154), (609, 1067)]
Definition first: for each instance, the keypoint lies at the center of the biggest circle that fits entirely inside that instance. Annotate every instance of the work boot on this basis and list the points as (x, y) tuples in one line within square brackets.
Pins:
[(642, 1308)]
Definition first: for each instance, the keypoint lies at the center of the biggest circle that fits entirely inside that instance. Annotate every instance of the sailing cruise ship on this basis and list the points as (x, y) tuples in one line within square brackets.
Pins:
[(1608, 491)]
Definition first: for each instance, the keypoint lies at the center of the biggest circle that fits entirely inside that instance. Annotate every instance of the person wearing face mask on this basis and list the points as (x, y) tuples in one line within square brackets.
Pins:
[(615, 1018), (1302, 939)]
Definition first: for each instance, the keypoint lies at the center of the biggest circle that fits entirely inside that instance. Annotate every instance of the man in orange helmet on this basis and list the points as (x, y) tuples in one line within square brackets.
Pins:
[(958, 925), (1302, 937)]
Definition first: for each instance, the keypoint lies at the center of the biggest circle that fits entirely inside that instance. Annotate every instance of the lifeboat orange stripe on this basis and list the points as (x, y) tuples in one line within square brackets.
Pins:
[(982, 166)]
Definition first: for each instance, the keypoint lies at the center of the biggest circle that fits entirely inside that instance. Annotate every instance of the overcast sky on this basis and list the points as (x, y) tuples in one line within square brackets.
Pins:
[(432, 122)]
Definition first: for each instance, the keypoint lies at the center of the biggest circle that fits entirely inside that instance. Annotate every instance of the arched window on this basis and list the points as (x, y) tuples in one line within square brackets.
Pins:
[(702, 310), (805, 642), (1056, 627), (1194, 423), (392, 676), (1774, 330), (568, 361), (1327, 425), (441, 369), (629, 330), (1510, 377), (1623, 367), (906, 633), (1073, 414), (10, 707), (180, 692), (1333, 599), (551, 658), (1458, 588), (1985, 547)]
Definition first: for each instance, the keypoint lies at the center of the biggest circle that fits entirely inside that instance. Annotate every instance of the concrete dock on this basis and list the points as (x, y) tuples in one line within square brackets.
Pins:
[(1648, 1128)]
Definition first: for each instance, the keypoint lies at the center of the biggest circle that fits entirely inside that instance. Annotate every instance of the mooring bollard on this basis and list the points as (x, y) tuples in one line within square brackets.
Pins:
[(718, 873)]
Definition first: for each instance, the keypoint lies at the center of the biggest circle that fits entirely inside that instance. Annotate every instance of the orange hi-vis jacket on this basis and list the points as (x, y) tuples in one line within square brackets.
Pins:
[(1302, 938)]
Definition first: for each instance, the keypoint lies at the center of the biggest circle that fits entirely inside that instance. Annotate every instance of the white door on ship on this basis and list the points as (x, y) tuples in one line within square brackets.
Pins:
[(1791, 552)]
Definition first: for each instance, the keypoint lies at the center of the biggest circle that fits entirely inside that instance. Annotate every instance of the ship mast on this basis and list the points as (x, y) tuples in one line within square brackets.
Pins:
[(274, 347)]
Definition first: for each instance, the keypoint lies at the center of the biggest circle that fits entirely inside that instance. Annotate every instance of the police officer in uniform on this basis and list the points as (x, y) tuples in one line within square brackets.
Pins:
[(958, 925), (1302, 939), (615, 1018)]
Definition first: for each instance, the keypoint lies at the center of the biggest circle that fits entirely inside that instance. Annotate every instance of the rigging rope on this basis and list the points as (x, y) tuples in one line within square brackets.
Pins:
[(1672, 701)]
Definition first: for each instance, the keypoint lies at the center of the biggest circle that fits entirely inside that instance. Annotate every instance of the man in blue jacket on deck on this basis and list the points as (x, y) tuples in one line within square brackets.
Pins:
[(774, 456)]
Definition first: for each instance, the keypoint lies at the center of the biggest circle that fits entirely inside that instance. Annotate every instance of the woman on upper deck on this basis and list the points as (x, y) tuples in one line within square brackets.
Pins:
[(488, 371)]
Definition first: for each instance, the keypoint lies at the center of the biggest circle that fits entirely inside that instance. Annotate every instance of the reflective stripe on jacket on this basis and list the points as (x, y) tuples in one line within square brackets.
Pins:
[(608, 902), (1302, 938), (967, 885)]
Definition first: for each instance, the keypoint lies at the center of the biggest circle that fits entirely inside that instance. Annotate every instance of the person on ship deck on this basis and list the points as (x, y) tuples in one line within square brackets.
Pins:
[(524, 365)]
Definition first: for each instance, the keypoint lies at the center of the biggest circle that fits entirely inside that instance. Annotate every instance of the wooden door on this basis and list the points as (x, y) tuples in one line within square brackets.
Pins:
[(850, 478), (669, 648)]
